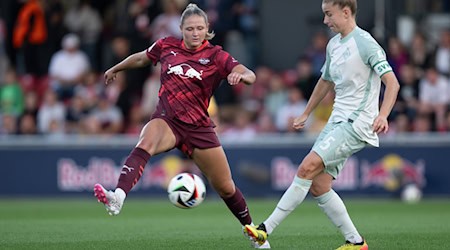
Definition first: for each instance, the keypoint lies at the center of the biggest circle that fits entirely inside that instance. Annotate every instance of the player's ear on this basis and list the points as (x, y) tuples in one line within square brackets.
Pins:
[(347, 12)]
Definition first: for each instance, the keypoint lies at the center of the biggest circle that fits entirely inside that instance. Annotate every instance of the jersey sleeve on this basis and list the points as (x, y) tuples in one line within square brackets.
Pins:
[(375, 56), (154, 51), (326, 67), (225, 63)]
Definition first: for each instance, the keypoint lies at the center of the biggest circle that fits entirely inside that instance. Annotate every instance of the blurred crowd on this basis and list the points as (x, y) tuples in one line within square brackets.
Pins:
[(53, 82)]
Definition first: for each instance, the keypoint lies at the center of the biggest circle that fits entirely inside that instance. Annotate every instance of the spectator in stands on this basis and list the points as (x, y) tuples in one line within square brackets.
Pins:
[(75, 115), (397, 54), (31, 104), (420, 56), (317, 52), (276, 97), (105, 118), (134, 124), (68, 67), (242, 128), (11, 95), (442, 55), (51, 114), (86, 22), (286, 114), (8, 124), (433, 97), (27, 125), (422, 124), (29, 37), (260, 89), (306, 79), (401, 124), (408, 96), (90, 90), (168, 22), (265, 123)]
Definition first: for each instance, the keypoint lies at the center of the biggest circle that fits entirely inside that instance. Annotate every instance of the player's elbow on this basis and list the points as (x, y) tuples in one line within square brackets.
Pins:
[(251, 78), (391, 82)]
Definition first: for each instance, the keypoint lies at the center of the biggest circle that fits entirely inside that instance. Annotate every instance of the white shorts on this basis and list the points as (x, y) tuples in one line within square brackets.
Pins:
[(335, 144)]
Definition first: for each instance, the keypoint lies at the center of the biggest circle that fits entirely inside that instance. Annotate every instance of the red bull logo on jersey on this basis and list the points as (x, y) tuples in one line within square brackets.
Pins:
[(184, 70), (393, 172)]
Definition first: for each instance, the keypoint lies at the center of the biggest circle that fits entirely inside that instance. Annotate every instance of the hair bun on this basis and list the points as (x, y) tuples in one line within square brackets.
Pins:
[(191, 5)]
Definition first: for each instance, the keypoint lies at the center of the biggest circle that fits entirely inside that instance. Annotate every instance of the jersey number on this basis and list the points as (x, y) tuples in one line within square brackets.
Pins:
[(327, 142)]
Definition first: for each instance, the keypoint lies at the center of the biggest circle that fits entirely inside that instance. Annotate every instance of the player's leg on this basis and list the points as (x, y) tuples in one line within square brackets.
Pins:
[(155, 137), (214, 165), (333, 206), (343, 142), (311, 166)]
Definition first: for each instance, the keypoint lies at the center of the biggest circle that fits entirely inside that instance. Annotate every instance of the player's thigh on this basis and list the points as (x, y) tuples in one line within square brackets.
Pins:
[(335, 145), (214, 165), (156, 137)]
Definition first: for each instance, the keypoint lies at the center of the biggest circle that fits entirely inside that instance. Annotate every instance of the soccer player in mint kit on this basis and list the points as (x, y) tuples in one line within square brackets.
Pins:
[(355, 64), (191, 70)]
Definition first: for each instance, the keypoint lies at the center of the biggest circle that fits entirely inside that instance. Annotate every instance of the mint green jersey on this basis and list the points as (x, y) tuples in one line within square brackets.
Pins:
[(355, 64)]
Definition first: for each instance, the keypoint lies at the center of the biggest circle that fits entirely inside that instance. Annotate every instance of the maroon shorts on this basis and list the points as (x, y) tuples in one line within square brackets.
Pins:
[(188, 136)]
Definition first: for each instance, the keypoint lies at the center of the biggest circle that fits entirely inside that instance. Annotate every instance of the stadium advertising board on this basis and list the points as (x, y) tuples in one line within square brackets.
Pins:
[(258, 171)]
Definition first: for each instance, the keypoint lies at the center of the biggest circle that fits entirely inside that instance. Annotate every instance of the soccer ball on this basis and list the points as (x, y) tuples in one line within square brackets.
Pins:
[(186, 190), (411, 194)]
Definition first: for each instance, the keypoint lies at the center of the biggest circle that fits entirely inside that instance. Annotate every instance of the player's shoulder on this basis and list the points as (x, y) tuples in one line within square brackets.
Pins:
[(334, 39), (213, 48), (364, 37), (170, 41)]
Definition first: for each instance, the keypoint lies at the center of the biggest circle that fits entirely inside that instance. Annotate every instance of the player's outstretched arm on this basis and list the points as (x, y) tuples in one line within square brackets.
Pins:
[(136, 60)]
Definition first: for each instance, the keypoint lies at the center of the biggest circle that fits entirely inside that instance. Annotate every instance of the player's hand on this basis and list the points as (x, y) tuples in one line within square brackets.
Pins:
[(300, 121), (110, 76), (234, 78), (380, 124)]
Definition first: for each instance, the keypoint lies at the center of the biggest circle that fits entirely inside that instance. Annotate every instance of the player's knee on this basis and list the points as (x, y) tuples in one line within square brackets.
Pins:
[(224, 190), (148, 145), (318, 189), (308, 170)]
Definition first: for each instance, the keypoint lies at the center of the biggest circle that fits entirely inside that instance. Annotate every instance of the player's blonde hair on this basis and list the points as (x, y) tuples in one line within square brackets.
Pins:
[(193, 9), (352, 4)]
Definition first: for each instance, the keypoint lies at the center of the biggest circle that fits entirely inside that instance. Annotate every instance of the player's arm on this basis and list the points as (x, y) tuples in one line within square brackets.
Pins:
[(136, 60), (320, 91), (240, 73), (380, 123)]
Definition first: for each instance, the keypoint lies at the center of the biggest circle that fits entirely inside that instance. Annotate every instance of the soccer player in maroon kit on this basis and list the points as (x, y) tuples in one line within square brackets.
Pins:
[(191, 70)]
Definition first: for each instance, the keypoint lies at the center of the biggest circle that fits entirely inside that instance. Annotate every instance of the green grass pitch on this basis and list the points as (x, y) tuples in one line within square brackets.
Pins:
[(156, 224)]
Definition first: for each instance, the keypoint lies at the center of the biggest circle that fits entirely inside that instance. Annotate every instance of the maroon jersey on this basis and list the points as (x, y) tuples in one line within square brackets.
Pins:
[(189, 78)]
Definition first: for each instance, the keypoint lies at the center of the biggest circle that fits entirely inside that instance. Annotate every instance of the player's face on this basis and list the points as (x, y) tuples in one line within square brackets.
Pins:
[(335, 17), (194, 31)]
